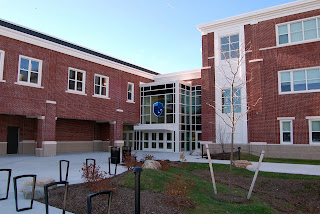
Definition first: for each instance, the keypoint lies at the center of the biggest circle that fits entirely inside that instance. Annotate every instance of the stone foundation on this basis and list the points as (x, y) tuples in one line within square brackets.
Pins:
[(82, 146)]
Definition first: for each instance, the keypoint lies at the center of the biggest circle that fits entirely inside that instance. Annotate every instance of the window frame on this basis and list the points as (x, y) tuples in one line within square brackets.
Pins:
[(229, 51), (107, 87), (132, 93), (281, 121), (292, 82), (75, 91), (240, 98), (310, 120), (28, 83), (2, 55), (303, 32)]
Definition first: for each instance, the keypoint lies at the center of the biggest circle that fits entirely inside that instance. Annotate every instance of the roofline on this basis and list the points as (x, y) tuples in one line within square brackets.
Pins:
[(180, 75), (74, 46), (261, 15)]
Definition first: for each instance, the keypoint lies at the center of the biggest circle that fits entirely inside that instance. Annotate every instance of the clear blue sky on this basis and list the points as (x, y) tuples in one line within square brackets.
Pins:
[(157, 34)]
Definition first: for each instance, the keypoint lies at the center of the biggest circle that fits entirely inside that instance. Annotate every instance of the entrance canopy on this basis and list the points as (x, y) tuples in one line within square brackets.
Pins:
[(154, 127)]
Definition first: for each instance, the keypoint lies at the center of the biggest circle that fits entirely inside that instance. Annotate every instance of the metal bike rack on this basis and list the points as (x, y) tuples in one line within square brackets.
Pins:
[(8, 182), (46, 187), (16, 191), (67, 171), (89, 205)]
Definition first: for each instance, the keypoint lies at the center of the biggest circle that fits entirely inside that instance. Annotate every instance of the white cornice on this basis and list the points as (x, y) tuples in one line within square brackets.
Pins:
[(260, 15), (181, 75), (7, 32)]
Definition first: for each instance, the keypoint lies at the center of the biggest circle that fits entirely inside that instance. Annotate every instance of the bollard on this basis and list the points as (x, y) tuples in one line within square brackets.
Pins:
[(239, 148), (137, 171)]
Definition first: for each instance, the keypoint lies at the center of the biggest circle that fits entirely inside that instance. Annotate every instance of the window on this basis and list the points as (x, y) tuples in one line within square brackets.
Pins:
[(314, 131), (286, 134), (229, 47), (304, 80), (76, 81), (101, 86), (226, 100), (30, 71), (1, 64), (130, 92), (299, 31)]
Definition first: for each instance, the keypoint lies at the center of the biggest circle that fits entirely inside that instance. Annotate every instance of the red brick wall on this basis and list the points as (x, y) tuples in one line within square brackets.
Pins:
[(23, 100), (263, 125), (208, 89), (27, 127)]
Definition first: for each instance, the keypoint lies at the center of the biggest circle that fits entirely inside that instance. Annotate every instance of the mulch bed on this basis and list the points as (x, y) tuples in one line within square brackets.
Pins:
[(122, 200), (284, 195)]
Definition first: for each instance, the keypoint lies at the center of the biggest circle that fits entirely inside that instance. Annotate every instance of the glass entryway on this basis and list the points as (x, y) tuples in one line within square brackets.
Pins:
[(157, 141)]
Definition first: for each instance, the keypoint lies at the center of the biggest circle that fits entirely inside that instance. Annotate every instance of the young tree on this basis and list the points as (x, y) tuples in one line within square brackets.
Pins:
[(233, 80)]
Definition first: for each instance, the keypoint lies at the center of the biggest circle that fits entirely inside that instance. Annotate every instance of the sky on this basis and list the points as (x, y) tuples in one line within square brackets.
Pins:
[(160, 35)]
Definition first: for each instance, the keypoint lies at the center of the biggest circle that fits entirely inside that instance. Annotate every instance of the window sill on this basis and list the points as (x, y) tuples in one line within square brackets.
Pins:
[(298, 43), (2, 81), (101, 96), (28, 84), (130, 101), (315, 143), (299, 92), (286, 143), (76, 92)]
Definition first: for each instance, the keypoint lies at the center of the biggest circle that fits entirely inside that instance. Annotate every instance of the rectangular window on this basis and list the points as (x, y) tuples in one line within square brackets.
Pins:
[(76, 81), (101, 85), (298, 31), (229, 47), (286, 133), (296, 81), (314, 131), (226, 100), (130, 92), (1, 64), (30, 71)]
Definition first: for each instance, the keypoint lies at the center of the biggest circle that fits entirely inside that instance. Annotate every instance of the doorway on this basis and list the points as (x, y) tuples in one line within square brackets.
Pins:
[(13, 140)]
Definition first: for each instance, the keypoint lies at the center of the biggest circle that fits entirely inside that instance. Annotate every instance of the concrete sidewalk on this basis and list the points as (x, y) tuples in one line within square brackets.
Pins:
[(49, 167)]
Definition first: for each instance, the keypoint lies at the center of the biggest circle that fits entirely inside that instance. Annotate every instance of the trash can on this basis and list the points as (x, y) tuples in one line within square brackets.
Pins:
[(115, 154), (126, 150)]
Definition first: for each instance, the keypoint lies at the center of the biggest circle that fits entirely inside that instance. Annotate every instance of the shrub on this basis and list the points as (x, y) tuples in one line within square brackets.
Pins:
[(165, 165), (178, 189), (96, 179), (130, 161), (147, 157)]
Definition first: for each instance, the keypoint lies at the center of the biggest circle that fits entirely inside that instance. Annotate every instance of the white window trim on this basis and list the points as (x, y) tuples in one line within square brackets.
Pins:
[(107, 87), (38, 85), (132, 100), (281, 130), (291, 81), (83, 82), (310, 120), (228, 35), (2, 55), (289, 37)]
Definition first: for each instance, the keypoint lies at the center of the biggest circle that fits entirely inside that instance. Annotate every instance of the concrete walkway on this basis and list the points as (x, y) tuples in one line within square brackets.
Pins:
[(49, 167)]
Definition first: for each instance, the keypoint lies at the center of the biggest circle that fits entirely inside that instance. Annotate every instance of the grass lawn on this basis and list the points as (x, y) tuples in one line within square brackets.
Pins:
[(250, 157), (202, 191)]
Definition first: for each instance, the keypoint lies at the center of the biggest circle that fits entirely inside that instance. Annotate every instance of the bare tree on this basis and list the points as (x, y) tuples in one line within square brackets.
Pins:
[(223, 137), (234, 76)]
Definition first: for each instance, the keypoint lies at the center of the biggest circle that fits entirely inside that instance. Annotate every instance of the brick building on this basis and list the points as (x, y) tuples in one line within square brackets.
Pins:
[(277, 53), (59, 97)]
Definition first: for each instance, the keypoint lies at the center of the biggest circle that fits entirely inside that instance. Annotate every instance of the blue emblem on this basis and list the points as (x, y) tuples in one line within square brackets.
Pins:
[(157, 109)]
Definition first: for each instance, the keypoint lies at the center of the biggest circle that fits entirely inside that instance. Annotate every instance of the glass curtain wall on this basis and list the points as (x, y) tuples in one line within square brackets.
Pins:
[(184, 122), (196, 117)]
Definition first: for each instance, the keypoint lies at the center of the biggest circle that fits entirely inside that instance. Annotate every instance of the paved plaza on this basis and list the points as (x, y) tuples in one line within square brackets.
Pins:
[(49, 167)]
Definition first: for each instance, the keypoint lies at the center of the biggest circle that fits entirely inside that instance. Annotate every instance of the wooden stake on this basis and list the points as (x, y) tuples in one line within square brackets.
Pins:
[(211, 170), (255, 175)]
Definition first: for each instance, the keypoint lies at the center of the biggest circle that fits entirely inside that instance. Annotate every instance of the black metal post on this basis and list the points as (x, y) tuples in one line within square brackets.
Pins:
[(112, 160), (46, 195), (239, 148), (67, 170), (16, 191), (8, 182), (137, 171), (202, 150)]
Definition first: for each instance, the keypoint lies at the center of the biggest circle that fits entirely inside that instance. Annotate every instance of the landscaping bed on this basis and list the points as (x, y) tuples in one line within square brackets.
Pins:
[(273, 192)]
